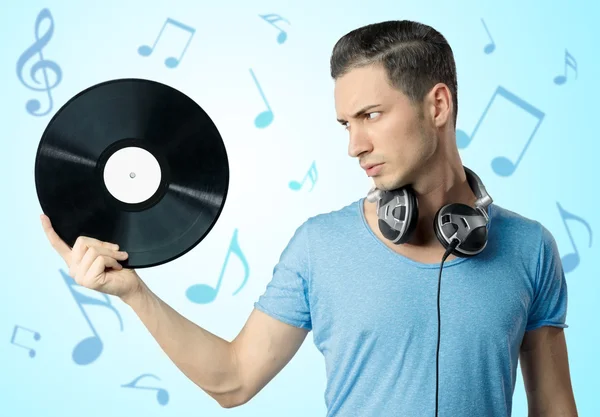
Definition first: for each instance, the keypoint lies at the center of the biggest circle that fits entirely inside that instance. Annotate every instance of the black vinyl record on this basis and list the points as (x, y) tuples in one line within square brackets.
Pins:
[(136, 163)]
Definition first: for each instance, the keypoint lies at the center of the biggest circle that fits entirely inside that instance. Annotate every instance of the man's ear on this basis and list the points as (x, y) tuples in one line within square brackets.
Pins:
[(439, 105)]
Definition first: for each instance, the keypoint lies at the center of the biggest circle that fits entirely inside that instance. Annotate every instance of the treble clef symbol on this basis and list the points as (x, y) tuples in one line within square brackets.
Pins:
[(33, 105)]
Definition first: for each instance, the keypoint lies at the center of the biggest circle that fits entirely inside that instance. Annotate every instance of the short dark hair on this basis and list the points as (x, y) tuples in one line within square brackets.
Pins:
[(415, 57)]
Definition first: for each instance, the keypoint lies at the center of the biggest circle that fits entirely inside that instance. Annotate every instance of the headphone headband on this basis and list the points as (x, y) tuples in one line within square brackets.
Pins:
[(483, 198)]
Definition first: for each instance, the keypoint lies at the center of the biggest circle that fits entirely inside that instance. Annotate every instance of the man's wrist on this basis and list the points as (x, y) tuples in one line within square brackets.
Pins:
[(136, 296)]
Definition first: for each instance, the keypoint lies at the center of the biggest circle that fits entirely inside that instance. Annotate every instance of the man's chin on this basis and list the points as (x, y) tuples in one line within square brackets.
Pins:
[(384, 185)]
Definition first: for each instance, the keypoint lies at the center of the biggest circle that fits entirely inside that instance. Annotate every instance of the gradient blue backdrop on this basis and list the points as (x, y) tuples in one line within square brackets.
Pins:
[(235, 67)]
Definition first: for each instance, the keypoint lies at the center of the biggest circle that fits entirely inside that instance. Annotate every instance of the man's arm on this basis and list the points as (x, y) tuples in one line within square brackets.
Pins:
[(230, 372), (545, 370), (263, 347)]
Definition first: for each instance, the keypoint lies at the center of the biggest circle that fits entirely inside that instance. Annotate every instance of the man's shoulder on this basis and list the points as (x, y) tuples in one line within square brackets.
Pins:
[(503, 216), (349, 211), (517, 229), (333, 224)]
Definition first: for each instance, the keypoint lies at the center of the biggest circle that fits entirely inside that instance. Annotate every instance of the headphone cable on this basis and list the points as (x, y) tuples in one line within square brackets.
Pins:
[(450, 248)]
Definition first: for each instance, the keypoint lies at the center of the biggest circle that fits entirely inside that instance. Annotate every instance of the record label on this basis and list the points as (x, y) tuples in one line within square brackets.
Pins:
[(132, 175)]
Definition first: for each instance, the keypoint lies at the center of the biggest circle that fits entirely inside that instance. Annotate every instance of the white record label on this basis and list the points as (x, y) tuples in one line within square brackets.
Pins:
[(132, 175)]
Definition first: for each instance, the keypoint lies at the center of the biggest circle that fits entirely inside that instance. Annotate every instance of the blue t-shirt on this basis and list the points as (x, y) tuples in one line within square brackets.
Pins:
[(373, 313)]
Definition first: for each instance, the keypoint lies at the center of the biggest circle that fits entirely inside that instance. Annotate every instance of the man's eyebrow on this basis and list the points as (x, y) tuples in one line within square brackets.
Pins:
[(360, 112)]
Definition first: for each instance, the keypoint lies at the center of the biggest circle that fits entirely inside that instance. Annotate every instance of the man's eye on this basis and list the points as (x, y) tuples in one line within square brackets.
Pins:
[(345, 124)]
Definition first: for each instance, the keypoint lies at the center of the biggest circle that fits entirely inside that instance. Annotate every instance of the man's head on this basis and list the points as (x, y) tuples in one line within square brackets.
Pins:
[(408, 70)]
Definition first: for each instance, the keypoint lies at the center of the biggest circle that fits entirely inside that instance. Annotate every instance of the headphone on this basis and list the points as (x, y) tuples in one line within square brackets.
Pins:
[(398, 214), (461, 229)]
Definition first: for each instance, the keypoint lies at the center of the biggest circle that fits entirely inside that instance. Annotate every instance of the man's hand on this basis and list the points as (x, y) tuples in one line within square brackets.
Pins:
[(94, 264)]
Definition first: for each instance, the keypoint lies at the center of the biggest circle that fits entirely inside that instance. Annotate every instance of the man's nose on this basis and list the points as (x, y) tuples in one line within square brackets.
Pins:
[(359, 143)]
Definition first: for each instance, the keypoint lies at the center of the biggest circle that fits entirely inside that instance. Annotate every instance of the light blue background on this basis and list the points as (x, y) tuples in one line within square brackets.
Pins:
[(98, 41)]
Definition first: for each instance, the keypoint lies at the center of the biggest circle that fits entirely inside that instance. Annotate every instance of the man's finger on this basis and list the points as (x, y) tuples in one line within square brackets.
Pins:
[(98, 267), (57, 243), (88, 242), (94, 252), (84, 242)]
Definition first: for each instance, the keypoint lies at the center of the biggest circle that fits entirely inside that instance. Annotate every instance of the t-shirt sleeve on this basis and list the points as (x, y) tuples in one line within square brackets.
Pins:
[(549, 306), (286, 296)]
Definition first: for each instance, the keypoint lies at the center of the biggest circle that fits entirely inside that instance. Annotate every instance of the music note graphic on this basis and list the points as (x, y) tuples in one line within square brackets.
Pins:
[(42, 65), (312, 174), (162, 396), (36, 336), (203, 293), (571, 260), (272, 18), (265, 118), (569, 62), (170, 62), (490, 47), (88, 349), (502, 165)]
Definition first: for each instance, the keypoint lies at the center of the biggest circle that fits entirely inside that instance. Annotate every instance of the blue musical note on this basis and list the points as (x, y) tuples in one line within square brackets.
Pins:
[(162, 396), (490, 47), (272, 18), (571, 260), (312, 174), (42, 65), (170, 62), (36, 336), (502, 165), (265, 118), (89, 349), (203, 293), (569, 62)]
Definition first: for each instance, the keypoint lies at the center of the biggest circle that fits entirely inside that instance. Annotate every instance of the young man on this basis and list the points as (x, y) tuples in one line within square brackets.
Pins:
[(372, 303)]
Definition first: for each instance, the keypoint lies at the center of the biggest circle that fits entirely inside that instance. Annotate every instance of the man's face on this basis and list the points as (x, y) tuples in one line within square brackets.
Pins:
[(390, 133)]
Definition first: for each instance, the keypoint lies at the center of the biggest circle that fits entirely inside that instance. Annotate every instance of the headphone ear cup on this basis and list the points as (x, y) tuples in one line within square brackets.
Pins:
[(413, 217), (412, 208), (476, 239), (438, 232)]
